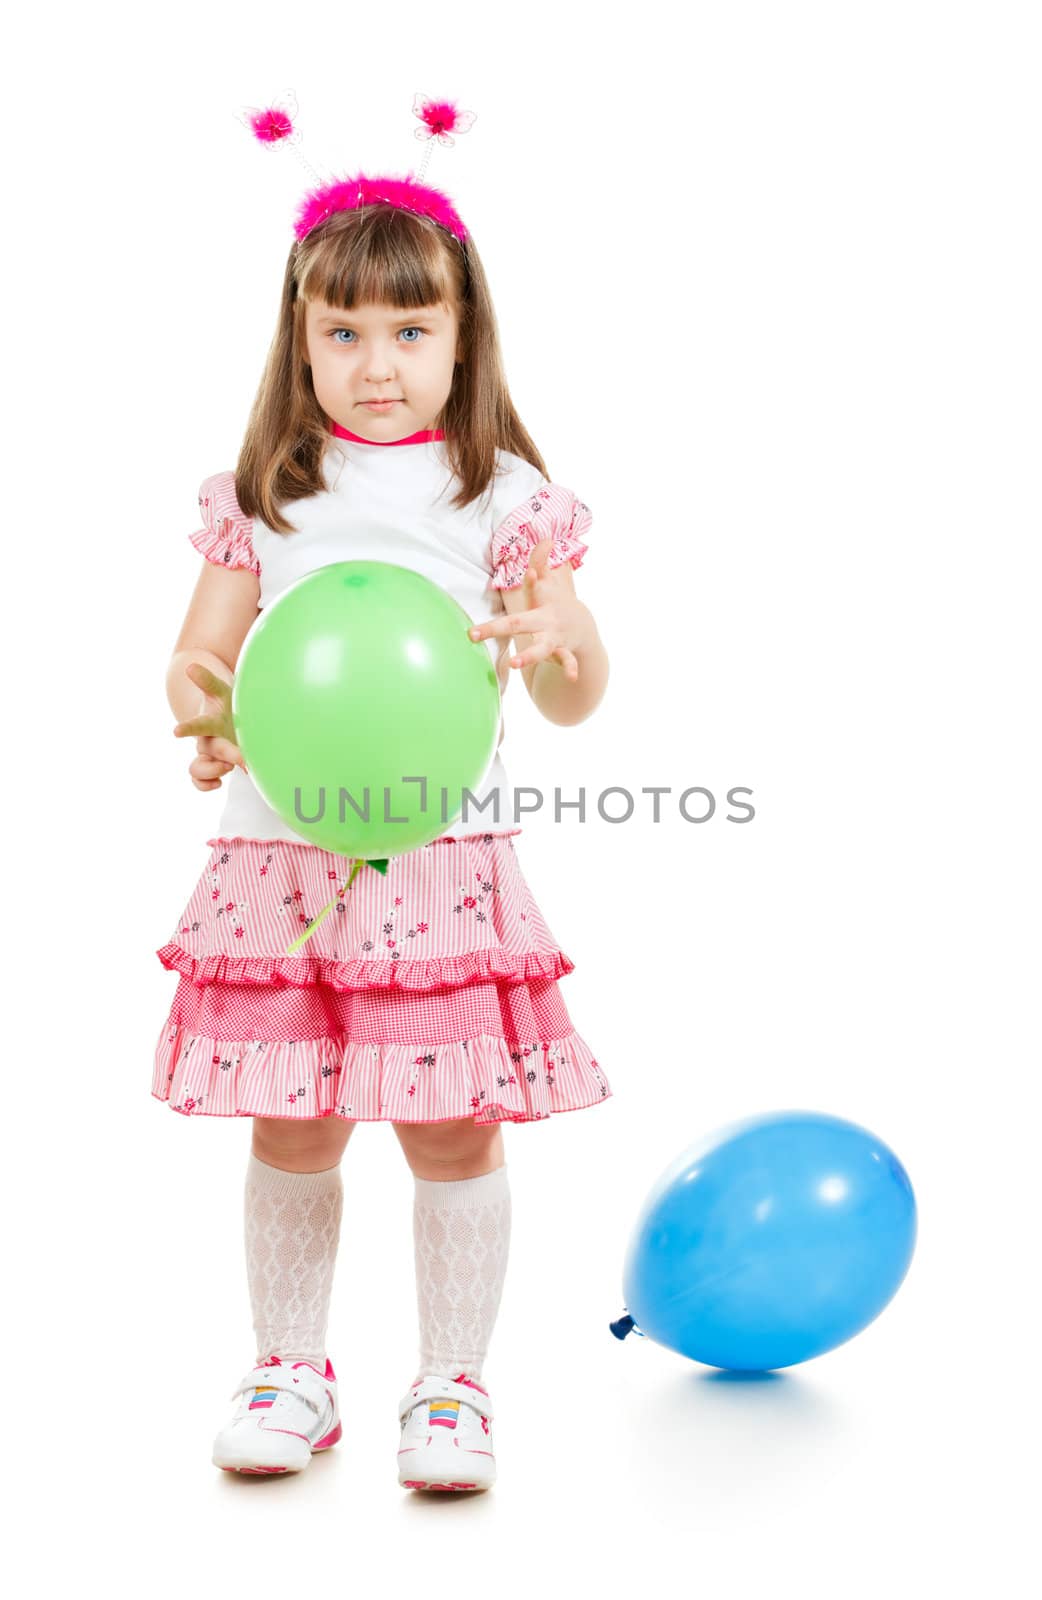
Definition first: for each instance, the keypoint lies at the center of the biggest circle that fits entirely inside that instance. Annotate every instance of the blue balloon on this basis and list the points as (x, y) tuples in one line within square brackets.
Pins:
[(771, 1241)]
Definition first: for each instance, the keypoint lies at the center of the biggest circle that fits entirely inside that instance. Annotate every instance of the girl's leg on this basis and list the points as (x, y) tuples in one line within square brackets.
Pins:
[(293, 1205), (461, 1234)]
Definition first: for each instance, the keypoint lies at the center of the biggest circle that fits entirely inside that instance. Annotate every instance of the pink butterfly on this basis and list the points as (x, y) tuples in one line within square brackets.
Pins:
[(440, 119)]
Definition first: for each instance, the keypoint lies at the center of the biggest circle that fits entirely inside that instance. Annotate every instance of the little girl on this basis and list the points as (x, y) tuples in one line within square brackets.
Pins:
[(382, 430)]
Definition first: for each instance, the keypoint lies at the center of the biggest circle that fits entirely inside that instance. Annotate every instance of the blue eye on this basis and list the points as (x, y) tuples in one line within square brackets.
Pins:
[(420, 331)]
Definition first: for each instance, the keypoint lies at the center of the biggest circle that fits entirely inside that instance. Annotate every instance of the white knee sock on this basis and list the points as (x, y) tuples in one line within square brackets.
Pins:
[(292, 1231), (461, 1231)]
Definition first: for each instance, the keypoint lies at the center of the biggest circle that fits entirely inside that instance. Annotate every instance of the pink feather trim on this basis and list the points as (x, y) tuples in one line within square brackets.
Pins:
[(347, 194)]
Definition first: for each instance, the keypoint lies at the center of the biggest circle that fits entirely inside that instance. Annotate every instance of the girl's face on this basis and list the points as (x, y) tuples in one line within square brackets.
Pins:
[(379, 352)]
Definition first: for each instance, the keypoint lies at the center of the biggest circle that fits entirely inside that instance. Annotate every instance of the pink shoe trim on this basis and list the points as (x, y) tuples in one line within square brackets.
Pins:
[(330, 1438), (471, 1384), (421, 1483)]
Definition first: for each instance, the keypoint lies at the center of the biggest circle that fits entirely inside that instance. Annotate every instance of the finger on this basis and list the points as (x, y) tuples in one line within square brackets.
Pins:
[(218, 725), (539, 557), (208, 681), (547, 652), (203, 726), (511, 622), (222, 750), (207, 771), (569, 663), (209, 767), (535, 652)]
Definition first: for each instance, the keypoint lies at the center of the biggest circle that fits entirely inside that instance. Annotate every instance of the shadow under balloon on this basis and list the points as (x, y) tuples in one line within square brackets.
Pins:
[(733, 1435)]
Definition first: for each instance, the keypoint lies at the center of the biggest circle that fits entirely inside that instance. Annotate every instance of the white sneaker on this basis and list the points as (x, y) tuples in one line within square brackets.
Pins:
[(446, 1438), (285, 1413)]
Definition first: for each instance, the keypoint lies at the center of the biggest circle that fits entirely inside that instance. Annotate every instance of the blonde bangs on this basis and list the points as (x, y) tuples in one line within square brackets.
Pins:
[(394, 259)]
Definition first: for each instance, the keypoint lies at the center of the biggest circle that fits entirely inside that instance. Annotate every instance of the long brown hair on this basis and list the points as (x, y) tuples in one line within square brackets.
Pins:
[(384, 255)]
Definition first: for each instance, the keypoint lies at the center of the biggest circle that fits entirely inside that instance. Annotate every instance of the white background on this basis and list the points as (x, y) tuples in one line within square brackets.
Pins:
[(767, 283)]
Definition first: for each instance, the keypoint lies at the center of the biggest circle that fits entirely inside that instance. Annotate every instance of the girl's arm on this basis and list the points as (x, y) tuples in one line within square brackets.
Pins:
[(565, 690), (220, 614)]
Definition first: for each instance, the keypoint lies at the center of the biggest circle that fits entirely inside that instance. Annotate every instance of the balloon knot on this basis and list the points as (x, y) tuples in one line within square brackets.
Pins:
[(623, 1326)]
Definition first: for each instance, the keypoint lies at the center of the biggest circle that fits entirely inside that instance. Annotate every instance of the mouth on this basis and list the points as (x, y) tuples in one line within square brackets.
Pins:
[(379, 405)]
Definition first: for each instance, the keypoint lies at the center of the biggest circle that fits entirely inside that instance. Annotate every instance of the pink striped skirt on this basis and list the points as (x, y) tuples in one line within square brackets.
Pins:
[(428, 994)]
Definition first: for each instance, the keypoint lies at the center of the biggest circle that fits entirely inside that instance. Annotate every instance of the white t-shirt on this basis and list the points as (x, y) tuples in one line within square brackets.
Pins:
[(390, 502)]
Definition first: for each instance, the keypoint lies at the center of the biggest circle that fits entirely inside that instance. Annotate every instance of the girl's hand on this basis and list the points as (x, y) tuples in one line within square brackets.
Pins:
[(559, 623), (215, 742)]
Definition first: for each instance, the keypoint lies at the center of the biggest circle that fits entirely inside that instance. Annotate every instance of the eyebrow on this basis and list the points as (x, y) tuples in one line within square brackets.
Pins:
[(431, 313)]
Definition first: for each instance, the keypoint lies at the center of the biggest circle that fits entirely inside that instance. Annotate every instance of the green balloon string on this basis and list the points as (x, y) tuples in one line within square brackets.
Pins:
[(378, 866)]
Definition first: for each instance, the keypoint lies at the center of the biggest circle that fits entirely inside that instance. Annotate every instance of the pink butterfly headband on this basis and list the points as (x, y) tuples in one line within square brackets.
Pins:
[(439, 119)]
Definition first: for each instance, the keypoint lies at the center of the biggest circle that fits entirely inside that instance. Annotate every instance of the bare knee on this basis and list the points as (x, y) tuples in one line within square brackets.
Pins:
[(448, 1150), (309, 1146)]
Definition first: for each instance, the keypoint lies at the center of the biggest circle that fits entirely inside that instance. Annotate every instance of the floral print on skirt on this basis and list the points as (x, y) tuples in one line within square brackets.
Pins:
[(428, 994)]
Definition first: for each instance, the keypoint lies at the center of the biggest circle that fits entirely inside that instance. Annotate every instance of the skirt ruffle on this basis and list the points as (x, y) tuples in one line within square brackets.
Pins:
[(475, 1026), (305, 971)]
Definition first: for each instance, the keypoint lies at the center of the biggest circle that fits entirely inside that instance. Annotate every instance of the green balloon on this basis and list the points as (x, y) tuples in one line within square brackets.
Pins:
[(359, 677)]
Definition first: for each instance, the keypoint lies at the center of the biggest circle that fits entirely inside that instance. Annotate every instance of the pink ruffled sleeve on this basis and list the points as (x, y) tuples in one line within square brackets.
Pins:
[(550, 511), (226, 537)]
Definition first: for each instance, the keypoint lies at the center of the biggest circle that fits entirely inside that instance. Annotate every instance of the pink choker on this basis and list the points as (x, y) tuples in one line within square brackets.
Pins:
[(421, 437)]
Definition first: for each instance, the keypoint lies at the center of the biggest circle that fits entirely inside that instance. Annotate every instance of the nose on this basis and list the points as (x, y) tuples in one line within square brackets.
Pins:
[(379, 367)]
